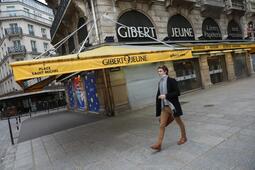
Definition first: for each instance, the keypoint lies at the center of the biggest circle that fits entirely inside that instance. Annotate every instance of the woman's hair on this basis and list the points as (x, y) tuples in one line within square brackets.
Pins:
[(164, 68)]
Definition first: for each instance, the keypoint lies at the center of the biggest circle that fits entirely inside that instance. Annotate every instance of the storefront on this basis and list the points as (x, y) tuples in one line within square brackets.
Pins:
[(217, 69), (187, 71), (187, 74), (140, 81)]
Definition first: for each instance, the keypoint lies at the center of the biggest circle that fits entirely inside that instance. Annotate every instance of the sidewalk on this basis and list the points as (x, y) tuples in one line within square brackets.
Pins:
[(220, 125)]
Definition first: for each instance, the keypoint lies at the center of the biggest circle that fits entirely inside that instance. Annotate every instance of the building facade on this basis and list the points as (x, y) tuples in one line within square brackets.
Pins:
[(24, 34), (215, 30)]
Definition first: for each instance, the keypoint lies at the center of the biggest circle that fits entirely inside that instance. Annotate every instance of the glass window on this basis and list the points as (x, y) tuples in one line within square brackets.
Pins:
[(11, 10), (16, 43), (31, 30), (45, 46), (33, 45), (10, 7), (43, 30)]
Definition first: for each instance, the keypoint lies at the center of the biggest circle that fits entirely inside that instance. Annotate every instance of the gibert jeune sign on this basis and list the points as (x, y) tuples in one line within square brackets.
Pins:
[(179, 28), (139, 29)]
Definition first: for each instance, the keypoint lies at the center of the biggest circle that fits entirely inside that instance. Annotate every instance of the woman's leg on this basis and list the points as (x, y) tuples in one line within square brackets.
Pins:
[(183, 138), (163, 121)]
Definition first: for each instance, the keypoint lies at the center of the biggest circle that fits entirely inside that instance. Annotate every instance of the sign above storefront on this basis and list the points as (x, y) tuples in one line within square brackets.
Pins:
[(179, 28), (113, 56), (211, 30), (234, 31), (140, 28)]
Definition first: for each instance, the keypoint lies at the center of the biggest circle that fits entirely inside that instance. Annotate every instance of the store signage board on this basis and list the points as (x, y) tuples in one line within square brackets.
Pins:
[(211, 30), (179, 29), (234, 31), (139, 29)]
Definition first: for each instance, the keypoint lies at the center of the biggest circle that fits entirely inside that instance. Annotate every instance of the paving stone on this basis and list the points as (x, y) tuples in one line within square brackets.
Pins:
[(219, 138), (209, 140)]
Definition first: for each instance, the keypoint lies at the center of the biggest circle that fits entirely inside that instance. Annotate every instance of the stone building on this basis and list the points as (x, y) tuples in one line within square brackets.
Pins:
[(219, 32), (24, 35)]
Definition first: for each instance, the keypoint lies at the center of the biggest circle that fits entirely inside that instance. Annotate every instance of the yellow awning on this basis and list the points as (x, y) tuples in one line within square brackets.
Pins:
[(99, 58)]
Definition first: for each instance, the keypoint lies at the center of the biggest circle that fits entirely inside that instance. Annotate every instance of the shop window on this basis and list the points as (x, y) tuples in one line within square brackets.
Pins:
[(187, 75), (215, 69)]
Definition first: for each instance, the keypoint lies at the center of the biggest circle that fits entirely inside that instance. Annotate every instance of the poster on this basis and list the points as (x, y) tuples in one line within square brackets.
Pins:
[(70, 94), (90, 88), (79, 93)]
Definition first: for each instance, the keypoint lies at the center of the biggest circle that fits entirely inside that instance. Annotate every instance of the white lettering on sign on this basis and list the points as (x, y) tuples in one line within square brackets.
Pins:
[(212, 28), (182, 32), (134, 32)]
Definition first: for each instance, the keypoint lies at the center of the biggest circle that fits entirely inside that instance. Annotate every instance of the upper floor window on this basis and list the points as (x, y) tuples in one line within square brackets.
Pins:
[(33, 46), (11, 10), (27, 12), (10, 7), (13, 27), (43, 30), (31, 30), (16, 43), (45, 46)]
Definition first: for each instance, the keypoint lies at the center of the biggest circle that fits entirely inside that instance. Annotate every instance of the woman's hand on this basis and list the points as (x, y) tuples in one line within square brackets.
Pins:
[(162, 96)]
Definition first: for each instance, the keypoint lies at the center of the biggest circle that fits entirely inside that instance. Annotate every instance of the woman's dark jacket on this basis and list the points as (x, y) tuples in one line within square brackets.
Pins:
[(172, 95)]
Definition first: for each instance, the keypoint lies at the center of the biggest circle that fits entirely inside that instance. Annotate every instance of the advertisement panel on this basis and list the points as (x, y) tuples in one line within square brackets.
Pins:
[(70, 94), (79, 93), (91, 92)]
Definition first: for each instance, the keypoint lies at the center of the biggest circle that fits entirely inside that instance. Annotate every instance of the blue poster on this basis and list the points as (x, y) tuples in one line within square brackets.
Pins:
[(70, 94), (79, 93), (90, 86)]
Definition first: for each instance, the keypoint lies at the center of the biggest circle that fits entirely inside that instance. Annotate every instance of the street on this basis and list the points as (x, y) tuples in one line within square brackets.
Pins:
[(220, 123)]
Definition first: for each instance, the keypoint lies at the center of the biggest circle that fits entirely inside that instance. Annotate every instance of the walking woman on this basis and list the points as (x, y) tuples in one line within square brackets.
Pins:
[(168, 106)]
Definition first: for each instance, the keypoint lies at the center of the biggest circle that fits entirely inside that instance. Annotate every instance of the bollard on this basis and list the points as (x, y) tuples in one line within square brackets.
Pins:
[(17, 123), (48, 108), (19, 119), (10, 130)]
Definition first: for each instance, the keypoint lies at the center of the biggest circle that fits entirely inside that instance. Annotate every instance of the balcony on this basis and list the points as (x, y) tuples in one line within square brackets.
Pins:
[(250, 8), (235, 7), (6, 15), (14, 32), (212, 8), (182, 3), (17, 50), (59, 16)]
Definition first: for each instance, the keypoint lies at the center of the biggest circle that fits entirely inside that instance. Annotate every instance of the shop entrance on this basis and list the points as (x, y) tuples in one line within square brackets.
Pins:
[(240, 65), (187, 74), (217, 69), (142, 84)]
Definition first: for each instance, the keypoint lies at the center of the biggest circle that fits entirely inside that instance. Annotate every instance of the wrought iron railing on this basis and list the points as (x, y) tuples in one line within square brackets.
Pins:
[(13, 31), (17, 49)]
